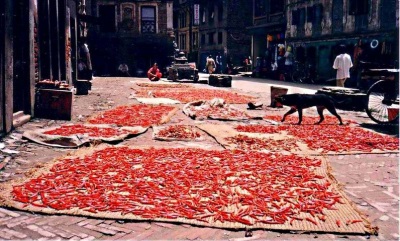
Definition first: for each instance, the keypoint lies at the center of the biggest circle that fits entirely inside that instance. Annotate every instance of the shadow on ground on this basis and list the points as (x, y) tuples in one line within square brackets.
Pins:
[(388, 129)]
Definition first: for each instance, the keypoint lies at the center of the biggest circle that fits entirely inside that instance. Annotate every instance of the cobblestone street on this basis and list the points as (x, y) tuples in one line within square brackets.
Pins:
[(370, 181)]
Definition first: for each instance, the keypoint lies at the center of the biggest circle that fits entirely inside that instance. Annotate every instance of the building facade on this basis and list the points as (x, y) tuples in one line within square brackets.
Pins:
[(205, 27), (268, 35), (222, 31), (37, 42), (368, 28), (136, 33), (186, 27)]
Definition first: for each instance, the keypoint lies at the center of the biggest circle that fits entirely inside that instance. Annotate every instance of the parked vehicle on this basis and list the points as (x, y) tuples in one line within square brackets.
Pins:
[(182, 69)]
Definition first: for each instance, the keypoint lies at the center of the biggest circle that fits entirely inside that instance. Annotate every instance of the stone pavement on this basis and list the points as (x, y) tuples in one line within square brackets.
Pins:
[(369, 180)]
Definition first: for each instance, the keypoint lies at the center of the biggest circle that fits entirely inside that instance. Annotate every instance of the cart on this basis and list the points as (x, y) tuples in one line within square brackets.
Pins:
[(383, 96)]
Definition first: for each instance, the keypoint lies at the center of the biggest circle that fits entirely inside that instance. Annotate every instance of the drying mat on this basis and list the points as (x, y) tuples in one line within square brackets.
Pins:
[(216, 109), (135, 115), (230, 138), (76, 135), (163, 85), (224, 189), (177, 133), (186, 95), (332, 139), (157, 101), (307, 120)]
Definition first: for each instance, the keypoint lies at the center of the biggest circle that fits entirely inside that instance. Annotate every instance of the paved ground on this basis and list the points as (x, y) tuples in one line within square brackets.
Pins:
[(370, 181)]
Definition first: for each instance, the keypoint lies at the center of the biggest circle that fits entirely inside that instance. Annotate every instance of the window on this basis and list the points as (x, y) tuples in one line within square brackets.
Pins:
[(220, 12), (310, 14), (127, 17), (211, 13), (220, 38), (295, 17), (259, 8), (276, 6), (182, 20), (211, 38), (203, 15), (203, 39), (107, 18), (195, 39), (358, 7), (148, 19), (182, 41), (318, 11)]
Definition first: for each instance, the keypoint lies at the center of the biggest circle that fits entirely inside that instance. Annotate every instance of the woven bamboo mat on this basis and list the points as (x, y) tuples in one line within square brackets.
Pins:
[(77, 140), (222, 133), (157, 101), (345, 212), (165, 118)]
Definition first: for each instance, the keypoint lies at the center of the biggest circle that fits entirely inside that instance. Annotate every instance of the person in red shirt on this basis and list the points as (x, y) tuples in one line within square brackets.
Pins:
[(154, 73)]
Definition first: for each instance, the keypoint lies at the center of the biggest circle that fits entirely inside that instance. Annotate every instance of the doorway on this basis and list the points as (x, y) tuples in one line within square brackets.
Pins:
[(21, 56)]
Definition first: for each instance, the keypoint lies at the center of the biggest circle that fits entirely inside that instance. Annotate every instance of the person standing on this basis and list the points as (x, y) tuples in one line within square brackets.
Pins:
[(86, 59), (210, 65), (342, 64), (154, 73), (289, 58), (249, 64), (218, 60)]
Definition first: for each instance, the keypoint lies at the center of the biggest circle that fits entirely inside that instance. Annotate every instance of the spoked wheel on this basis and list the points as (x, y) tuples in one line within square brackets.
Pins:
[(383, 102), (298, 76)]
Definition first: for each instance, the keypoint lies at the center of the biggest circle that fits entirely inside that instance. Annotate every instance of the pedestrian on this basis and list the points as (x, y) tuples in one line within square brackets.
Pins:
[(82, 69), (210, 65), (249, 64), (289, 57), (342, 64), (84, 55), (154, 73), (123, 70), (245, 63), (229, 65), (218, 60)]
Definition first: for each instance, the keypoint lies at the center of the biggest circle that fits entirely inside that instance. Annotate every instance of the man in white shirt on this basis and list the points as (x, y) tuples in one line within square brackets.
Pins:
[(342, 64)]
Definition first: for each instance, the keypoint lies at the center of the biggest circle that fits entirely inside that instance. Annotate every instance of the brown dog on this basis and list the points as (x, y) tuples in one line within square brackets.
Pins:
[(302, 101)]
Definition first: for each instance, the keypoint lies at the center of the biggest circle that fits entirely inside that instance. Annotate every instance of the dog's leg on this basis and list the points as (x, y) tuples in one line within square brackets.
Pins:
[(333, 111), (291, 111), (320, 110), (300, 115)]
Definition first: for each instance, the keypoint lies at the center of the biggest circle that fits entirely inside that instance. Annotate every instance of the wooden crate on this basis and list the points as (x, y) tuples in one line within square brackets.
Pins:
[(53, 104)]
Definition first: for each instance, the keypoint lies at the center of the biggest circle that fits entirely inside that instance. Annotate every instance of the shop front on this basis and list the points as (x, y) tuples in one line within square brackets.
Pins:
[(268, 49), (367, 52)]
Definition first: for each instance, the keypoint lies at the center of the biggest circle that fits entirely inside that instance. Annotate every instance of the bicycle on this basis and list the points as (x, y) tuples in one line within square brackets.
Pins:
[(303, 73), (383, 100)]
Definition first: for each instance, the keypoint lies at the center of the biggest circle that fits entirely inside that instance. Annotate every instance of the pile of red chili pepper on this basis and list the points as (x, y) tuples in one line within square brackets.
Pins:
[(172, 86), (179, 132), (336, 138), (91, 131), (244, 142), (186, 95), (217, 112), (307, 120), (206, 185), (133, 115)]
